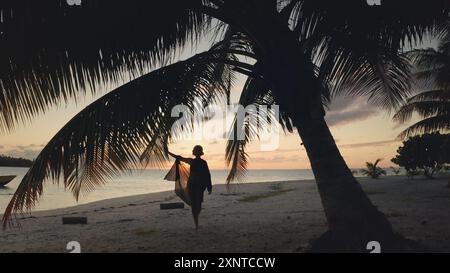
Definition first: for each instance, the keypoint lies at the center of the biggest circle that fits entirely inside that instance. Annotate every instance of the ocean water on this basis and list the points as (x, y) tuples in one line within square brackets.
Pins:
[(138, 182)]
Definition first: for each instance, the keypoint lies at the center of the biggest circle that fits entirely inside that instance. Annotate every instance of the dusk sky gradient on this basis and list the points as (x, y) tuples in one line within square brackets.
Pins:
[(362, 131)]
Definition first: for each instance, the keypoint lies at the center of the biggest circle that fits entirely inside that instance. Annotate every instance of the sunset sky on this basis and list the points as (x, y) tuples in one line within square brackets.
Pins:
[(362, 131)]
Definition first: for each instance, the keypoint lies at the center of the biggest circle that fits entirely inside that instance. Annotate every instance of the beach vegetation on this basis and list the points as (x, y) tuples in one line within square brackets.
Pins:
[(413, 173), (396, 171), (427, 153), (372, 170), (9, 161)]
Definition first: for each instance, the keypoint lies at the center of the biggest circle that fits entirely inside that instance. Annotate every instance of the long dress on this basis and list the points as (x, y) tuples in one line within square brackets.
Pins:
[(199, 181), (191, 182)]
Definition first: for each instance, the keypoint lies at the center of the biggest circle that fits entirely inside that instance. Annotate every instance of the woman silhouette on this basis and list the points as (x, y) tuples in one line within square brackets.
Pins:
[(199, 180)]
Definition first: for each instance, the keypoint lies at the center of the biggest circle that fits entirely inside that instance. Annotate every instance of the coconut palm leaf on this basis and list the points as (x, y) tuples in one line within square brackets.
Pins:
[(429, 58), (109, 135), (431, 124), (357, 48), (257, 94), (432, 95), (424, 108), (51, 51), (434, 65), (233, 42), (433, 106), (243, 131)]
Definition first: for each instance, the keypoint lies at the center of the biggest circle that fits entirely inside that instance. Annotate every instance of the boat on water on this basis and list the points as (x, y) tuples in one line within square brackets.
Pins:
[(5, 179)]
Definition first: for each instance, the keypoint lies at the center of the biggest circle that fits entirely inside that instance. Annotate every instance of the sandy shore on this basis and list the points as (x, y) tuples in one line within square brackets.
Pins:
[(260, 217)]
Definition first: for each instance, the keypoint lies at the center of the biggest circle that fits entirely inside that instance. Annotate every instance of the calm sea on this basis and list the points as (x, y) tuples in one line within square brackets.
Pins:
[(138, 182)]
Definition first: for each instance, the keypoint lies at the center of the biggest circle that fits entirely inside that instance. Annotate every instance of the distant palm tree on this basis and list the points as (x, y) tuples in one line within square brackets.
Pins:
[(298, 54), (433, 106), (372, 169)]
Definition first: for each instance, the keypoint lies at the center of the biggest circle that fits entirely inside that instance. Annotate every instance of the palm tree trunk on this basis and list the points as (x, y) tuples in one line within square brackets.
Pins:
[(353, 220)]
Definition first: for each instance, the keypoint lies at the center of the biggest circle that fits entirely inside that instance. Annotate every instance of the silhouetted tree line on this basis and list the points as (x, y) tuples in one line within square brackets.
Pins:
[(8, 161)]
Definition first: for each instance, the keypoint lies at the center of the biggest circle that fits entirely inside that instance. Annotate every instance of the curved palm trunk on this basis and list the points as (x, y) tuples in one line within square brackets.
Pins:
[(353, 220)]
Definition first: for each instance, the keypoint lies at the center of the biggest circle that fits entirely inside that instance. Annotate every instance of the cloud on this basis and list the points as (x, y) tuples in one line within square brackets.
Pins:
[(29, 151), (344, 110), (29, 146), (368, 144)]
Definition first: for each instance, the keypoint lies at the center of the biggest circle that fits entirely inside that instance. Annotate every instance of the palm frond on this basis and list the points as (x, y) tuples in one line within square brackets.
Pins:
[(431, 124), (375, 164), (428, 58), (255, 93), (364, 41), (396, 22), (109, 136), (431, 95), (433, 66), (433, 106), (239, 136), (51, 51), (385, 80), (424, 108)]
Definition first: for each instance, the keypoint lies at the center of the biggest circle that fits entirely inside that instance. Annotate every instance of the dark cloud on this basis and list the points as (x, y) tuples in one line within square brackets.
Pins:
[(345, 110), (368, 144)]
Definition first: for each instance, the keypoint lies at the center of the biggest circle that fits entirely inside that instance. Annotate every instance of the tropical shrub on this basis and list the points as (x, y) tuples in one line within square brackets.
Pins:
[(427, 153), (411, 173), (372, 170)]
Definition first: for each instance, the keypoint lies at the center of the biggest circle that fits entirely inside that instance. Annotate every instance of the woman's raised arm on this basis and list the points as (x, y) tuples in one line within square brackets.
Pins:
[(179, 157)]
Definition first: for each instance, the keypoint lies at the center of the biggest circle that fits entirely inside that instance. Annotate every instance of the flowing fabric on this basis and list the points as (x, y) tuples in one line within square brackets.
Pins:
[(180, 174)]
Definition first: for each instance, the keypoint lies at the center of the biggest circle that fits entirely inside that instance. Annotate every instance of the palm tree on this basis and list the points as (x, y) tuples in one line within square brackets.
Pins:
[(433, 106), (298, 54), (373, 170)]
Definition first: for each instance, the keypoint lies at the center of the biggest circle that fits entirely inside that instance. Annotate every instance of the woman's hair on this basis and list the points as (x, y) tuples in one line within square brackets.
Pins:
[(198, 150)]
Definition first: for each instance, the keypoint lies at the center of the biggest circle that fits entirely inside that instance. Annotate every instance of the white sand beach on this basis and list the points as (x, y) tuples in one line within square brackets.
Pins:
[(259, 217)]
